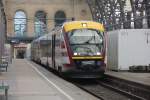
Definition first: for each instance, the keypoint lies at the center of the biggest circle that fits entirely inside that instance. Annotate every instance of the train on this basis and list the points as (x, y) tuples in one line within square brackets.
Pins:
[(76, 49)]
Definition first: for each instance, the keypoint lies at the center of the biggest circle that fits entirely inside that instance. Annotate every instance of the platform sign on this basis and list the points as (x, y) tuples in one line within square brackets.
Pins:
[(21, 45)]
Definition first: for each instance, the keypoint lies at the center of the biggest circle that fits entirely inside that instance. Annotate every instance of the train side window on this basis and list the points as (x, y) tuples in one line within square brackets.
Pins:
[(61, 41), (57, 42), (57, 39)]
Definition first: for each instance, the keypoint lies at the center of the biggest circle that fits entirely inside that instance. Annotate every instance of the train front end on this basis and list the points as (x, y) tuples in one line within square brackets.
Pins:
[(85, 43)]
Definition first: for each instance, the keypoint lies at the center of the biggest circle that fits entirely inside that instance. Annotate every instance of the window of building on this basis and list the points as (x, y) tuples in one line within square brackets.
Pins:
[(60, 17), (40, 23), (20, 23)]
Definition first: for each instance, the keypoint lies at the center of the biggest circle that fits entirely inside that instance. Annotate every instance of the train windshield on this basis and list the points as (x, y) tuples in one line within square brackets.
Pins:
[(86, 41)]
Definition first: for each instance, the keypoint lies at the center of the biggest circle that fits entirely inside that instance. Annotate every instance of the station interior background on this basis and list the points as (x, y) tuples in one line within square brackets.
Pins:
[(22, 21)]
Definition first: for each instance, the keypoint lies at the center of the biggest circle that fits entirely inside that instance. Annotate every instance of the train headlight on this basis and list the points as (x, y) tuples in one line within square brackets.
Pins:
[(84, 24), (98, 53), (75, 53)]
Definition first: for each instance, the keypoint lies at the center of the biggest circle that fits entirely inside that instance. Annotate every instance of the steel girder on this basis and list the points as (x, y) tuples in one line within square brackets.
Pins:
[(113, 15)]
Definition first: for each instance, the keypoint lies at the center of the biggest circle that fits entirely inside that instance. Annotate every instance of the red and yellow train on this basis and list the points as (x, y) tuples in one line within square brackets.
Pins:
[(76, 49)]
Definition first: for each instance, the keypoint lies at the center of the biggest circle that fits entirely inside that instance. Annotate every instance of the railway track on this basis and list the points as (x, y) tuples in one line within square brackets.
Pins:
[(120, 91), (95, 88), (111, 88), (131, 89)]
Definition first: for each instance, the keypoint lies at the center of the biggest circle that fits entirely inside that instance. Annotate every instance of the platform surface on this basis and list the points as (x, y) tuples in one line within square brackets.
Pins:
[(28, 81), (142, 78)]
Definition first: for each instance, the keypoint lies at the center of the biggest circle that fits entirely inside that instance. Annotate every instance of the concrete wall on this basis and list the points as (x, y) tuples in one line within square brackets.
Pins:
[(7, 53), (73, 8), (133, 48), (2, 29)]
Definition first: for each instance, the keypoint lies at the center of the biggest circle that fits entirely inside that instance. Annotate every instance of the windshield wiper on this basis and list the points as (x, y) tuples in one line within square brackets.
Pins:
[(88, 41)]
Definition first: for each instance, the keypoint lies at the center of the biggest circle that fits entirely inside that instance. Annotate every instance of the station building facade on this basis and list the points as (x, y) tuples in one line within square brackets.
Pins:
[(29, 19)]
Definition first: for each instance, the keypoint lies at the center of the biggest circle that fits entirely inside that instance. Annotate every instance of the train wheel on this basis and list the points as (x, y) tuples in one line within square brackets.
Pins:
[(59, 71)]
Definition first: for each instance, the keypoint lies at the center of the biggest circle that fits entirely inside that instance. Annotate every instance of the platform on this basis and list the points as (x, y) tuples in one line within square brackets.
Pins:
[(29, 81), (142, 78)]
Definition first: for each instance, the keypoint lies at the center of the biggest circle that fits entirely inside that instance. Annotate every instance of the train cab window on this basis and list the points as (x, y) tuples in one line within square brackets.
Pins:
[(86, 41)]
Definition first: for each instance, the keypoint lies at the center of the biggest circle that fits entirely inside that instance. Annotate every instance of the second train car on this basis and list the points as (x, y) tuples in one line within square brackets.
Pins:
[(76, 49)]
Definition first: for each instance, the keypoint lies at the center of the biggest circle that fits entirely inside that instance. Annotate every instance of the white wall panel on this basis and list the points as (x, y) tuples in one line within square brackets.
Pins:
[(133, 48)]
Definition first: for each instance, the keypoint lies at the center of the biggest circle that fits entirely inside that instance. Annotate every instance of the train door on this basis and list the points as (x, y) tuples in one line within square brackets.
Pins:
[(47, 53), (53, 50), (49, 50)]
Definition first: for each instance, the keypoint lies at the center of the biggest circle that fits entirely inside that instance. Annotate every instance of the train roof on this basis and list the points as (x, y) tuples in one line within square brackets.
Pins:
[(68, 26), (44, 37)]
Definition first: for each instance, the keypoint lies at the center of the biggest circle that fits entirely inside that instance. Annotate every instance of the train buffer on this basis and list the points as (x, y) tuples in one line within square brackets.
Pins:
[(3, 65), (4, 90)]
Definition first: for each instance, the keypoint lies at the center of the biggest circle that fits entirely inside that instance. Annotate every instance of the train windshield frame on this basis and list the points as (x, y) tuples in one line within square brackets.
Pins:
[(86, 41)]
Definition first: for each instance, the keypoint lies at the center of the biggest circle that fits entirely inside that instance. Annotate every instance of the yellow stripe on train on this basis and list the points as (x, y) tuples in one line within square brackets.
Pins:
[(87, 58), (68, 26)]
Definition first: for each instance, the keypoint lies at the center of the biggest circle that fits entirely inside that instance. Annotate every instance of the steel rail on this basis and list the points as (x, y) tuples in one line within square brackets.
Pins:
[(130, 88), (128, 94), (81, 87)]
